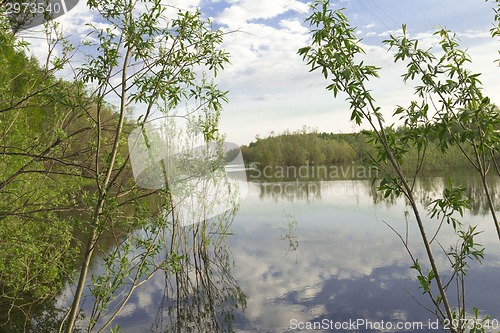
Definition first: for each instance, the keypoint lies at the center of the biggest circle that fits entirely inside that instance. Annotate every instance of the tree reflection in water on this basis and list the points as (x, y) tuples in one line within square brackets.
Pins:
[(201, 295), (426, 189)]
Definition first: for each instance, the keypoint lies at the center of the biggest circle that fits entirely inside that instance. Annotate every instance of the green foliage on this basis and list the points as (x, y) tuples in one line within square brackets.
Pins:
[(301, 148), (334, 47), (64, 150), (495, 30), (37, 250), (35, 258), (463, 117), (172, 58), (454, 200), (44, 165)]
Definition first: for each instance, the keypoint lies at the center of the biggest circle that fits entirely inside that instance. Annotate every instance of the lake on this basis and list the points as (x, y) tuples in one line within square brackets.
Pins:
[(311, 255)]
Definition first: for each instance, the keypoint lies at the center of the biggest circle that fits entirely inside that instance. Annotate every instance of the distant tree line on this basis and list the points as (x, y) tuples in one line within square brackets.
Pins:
[(301, 148), (310, 147)]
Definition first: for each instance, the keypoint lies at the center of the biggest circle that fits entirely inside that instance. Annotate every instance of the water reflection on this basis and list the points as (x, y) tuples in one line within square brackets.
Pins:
[(347, 264), (311, 191), (196, 292), (33, 318), (430, 188), (202, 295), (426, 190), (291, 191)]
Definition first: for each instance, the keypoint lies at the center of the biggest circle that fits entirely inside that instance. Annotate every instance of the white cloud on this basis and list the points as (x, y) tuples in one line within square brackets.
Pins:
[(243, 11), (474, 34), (390, 32), (185, 5), (294, 26), (264, 57)]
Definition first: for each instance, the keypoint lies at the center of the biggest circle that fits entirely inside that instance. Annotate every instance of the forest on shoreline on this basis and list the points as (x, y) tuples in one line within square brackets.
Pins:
[(309, 147)]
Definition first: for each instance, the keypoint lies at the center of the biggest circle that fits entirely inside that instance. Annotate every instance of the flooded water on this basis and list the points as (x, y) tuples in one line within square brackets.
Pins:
[(313, 255)]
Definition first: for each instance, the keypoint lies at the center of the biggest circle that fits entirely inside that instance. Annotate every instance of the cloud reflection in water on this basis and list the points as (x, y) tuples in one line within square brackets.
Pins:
[(349, 265)]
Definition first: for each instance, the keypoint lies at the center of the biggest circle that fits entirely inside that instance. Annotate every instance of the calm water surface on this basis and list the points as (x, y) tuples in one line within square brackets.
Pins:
[(305, 252)]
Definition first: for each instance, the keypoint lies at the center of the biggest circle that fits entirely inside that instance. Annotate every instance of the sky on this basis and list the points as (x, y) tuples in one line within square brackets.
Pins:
[(271, 89)]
